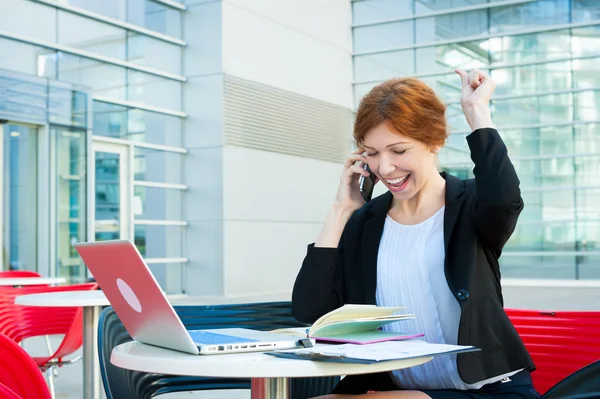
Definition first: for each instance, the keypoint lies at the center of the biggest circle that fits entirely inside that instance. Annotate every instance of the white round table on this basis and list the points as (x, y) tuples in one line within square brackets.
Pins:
[(20, 281), (92, 303), (270, 375)]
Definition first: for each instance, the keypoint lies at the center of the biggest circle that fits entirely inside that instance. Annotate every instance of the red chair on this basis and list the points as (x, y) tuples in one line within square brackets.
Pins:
[(20, 377), (560, 343), (18, 274), (20, 322)]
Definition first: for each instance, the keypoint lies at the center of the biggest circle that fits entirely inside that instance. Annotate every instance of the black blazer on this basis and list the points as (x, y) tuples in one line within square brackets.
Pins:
[(479, 218)]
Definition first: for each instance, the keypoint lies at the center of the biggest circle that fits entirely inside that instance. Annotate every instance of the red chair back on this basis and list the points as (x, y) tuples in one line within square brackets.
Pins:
[(20, 322), (560, 343), (19, 375), (18, 274)]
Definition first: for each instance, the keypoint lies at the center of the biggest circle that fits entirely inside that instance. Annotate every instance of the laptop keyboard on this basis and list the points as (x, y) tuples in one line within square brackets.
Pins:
[(210, 338)]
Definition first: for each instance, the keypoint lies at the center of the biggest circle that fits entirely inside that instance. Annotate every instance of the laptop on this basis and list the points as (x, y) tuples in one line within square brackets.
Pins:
[(142, 306)]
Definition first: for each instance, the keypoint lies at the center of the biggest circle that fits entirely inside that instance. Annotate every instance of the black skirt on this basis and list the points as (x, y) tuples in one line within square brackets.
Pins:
[(518, 386)]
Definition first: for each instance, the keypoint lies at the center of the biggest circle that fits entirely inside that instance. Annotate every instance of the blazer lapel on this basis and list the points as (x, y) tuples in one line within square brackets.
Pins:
[(454, 200), (371, 236)]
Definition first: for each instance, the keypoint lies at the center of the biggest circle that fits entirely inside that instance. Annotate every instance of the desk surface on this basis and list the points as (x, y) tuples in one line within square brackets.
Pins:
[(31, 281), (141, 357)]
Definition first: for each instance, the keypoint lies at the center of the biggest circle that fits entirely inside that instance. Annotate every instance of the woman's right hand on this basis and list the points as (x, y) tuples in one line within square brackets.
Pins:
[(348, 197)]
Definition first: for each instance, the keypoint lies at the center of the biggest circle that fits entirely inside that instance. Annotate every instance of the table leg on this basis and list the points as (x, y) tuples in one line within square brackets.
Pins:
[(270, 388), (91, 365)]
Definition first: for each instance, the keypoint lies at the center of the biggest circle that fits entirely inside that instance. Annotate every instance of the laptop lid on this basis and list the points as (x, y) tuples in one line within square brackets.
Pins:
[(135, 295)]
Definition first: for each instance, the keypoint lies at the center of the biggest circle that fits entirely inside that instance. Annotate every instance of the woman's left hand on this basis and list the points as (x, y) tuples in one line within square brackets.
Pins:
[(477, 89)]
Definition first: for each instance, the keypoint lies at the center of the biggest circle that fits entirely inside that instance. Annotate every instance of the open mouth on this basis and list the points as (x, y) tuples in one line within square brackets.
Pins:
[(398, 184)]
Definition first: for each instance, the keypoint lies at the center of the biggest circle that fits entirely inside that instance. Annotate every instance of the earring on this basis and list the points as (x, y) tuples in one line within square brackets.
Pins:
[(435, 151)]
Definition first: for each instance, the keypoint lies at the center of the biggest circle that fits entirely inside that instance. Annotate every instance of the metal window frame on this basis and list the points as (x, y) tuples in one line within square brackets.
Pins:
[(538, 126), (447, 11), (144, 107), (92, 56), (151, 261), (550, 253), (537, 94), (466, 39), (158, 147), (172, 4), (492, 66), (111, 21), (155, 184), (556, 283), (529, 158), (149, 222)]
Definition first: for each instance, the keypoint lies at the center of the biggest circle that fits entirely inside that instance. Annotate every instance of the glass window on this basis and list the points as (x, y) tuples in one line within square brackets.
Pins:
[(451, 26), (91, 36), (23, 97), (539, 13), (531, 79), (110, 8), (534, 109), (16, 18), (364, 12), (169, 276), (585, 10), (423, 6), (154, 53), (384, 36), (155, 16), (157, 203), (110, 120), (585, 73), (67, 106), (104, 79), (154, 90), (587, 105), (550, 267), (24, 58), (531, 47), (446, 58), (157, 166), (587, 138), (69, 165), (384, 66), (159, 241), (137, 125), (19, 197)]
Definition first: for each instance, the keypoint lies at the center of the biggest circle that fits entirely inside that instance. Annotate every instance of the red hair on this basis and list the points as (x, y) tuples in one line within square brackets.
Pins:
[(408, 106)]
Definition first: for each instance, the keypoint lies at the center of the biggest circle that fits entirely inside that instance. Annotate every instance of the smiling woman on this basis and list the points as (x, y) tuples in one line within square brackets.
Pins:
[(430, 244)]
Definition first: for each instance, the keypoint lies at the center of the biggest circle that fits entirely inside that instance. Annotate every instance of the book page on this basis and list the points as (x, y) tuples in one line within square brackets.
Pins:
[(352, 312)]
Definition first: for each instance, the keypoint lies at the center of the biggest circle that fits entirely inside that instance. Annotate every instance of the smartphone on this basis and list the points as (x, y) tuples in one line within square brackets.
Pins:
[(366, 184)]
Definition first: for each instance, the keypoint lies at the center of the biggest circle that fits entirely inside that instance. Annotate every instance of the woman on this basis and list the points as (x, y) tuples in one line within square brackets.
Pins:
[(431, 243)]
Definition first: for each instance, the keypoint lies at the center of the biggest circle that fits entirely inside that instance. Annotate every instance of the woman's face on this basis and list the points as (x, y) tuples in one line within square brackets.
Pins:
[(403, 164)]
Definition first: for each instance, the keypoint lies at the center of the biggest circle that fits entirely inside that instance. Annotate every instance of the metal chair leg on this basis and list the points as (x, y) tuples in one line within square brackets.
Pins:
[(50, 375), (48, 345)]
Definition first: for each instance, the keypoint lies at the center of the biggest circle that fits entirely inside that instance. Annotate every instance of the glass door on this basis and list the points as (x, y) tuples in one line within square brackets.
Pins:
[(18, 180), (112, 192)]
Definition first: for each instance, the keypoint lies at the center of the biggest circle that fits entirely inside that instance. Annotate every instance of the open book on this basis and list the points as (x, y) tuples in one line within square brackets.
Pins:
[(356, 324)]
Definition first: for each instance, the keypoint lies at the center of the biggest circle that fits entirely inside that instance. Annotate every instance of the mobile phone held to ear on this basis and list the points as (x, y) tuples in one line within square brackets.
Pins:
[(366, 184)]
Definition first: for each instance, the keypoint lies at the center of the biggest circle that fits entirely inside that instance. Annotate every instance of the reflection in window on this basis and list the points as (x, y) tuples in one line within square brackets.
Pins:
[(133, 124), (69, 165), (105, 80), (157, 166), (157, 203)]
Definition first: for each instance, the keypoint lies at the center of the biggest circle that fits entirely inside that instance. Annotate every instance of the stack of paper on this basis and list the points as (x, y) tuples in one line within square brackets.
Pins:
[(372, 353)]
